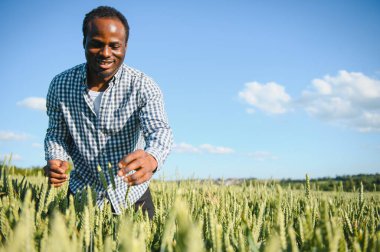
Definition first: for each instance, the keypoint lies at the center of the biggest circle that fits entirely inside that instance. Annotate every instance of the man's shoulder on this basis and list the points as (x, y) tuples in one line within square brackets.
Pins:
[(135, 73), (145, 85), (76, 71)]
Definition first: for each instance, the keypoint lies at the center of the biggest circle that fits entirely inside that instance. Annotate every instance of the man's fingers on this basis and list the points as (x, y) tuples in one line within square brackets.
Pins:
[(134, 176), (55, 171), (58, 170), (53, 174), (138, 177), (56, 181), (65, 165), (57, 178), (141, 179), (140, 161), (54, 163), (136, 164), (126, 160)]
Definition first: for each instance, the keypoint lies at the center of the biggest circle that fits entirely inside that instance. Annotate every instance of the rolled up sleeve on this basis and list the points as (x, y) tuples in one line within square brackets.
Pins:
[(157, 132), (57, 135)]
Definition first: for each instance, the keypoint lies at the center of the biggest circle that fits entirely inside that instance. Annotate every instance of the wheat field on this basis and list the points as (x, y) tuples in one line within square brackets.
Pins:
[(191, 215)]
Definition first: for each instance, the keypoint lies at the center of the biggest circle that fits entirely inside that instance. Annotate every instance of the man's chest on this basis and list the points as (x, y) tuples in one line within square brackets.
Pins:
[(118, 111)]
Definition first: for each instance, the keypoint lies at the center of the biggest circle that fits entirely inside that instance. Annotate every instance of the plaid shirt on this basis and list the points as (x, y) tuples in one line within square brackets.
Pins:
[(131, 117)]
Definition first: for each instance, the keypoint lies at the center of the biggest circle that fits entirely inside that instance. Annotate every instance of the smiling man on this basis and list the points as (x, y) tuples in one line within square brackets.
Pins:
[(104, 113)]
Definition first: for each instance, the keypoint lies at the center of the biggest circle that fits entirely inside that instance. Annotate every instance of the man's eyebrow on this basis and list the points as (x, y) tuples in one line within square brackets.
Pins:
[(101, 41), (96, 40)]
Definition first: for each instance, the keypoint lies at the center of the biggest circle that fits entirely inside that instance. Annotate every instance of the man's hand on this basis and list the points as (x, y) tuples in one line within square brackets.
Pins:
[(143, 163), (55, 171)]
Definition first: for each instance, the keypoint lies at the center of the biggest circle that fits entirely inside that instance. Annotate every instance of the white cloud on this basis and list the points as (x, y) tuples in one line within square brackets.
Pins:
[(216, 149), (349, 99), (12, 136), (211, 149), (14, 157), (185, 148), (204, 148), (322, 86), (270, 97), (262, 155), (36, 103)]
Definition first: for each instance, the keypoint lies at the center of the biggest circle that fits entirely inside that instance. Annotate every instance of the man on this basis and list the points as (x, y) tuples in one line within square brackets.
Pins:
[(105, 114)]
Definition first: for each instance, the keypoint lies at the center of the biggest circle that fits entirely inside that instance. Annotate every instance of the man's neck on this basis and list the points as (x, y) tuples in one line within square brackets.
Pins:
[(97, 84), (97, 88)]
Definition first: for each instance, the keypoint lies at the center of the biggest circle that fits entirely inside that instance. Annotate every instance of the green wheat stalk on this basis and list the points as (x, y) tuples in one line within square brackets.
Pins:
[(102, 178), (112, 176)]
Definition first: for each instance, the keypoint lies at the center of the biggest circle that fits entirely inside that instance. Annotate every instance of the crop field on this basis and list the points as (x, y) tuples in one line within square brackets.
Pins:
[(190, 216)]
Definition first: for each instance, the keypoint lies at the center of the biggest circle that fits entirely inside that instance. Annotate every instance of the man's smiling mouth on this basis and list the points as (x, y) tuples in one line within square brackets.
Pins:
[(105, 63)]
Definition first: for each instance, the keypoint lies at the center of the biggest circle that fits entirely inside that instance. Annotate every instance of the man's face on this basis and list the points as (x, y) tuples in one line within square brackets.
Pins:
[(105, 46)]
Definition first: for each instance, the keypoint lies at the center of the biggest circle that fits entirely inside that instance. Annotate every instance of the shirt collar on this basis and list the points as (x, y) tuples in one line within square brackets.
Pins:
[(115, 79)]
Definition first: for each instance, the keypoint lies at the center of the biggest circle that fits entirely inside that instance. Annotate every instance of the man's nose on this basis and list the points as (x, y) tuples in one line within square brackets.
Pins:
[(106, 51)]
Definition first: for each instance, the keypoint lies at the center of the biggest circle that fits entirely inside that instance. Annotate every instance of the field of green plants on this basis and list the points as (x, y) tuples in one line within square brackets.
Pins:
[(190, 216)]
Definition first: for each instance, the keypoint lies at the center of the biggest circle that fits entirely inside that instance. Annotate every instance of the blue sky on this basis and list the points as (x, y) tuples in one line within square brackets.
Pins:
[(266, 89)]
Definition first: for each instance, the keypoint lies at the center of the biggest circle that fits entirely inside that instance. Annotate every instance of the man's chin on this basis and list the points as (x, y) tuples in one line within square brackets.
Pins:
[(102, 74), (106, 74)]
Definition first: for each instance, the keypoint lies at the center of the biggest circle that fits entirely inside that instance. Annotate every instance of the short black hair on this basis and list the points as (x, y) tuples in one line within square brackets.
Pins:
[(104, 12)]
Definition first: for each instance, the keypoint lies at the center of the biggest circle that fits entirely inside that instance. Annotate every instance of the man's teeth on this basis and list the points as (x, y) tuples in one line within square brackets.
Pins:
[(104, 62)]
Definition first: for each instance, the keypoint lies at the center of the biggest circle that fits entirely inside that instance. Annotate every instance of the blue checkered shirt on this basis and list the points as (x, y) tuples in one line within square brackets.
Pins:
[(131, 117)]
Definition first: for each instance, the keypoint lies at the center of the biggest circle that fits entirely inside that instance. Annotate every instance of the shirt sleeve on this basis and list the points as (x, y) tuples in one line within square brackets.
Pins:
[(157, 132), (57, 135)]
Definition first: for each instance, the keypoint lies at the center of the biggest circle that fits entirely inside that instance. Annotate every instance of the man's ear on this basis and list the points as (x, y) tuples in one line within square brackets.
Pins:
[(84, 42)]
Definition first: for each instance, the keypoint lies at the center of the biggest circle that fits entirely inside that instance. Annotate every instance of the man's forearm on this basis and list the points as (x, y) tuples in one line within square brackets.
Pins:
[(159, 144)]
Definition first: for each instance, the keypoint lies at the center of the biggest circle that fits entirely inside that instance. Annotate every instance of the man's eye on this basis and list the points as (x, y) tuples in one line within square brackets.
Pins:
[(95, 45)]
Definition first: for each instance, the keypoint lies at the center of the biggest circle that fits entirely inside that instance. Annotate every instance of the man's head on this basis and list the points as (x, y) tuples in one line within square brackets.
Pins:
[(104, 12), (105, 32)]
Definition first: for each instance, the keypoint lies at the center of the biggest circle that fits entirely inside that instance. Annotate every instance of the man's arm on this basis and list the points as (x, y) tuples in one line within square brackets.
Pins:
[(157, 133), (56, 140)]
